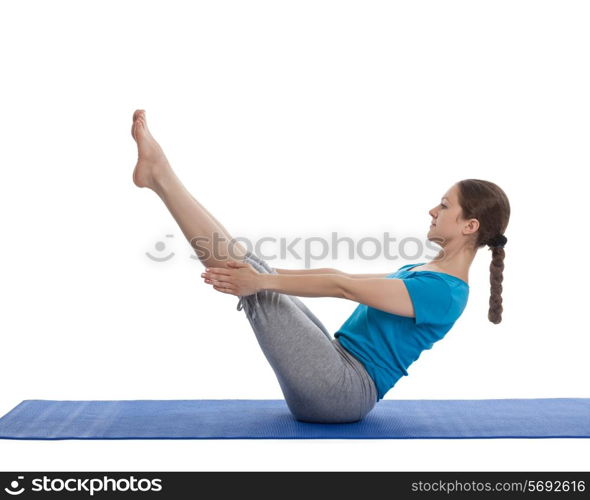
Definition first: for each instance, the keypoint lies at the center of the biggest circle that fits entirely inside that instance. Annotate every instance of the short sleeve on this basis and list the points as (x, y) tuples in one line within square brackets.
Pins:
[(395, 273), (431, 297)]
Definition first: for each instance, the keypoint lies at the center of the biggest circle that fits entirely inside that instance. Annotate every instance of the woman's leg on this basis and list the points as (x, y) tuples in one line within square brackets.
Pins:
[(206, 235), (294, 299), (321, 382), (199, 226)]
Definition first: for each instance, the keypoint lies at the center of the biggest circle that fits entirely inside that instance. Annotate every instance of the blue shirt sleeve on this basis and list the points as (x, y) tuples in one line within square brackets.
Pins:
[(431, 297)]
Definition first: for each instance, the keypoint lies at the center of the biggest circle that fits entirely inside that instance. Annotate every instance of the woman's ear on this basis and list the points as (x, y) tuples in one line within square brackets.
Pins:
[(472, 226)]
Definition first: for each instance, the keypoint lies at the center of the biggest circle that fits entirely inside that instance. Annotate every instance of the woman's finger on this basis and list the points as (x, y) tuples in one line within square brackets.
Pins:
[(218, 270), (224, 289), (217, 283), (218, 276)]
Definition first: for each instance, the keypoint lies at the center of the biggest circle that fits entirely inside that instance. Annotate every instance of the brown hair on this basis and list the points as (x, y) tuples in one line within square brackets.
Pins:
[(486, 202)]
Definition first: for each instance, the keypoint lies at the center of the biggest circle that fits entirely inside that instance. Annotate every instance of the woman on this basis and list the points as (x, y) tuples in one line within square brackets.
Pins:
[(340, 379)]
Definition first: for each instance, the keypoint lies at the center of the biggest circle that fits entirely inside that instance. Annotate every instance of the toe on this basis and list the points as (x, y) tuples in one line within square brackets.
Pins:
[(143, 123)]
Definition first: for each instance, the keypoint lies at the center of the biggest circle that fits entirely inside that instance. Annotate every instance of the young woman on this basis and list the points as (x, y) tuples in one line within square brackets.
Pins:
[(340, 378)]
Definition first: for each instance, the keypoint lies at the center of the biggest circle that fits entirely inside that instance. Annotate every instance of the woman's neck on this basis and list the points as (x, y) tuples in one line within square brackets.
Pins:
[(454, 262)]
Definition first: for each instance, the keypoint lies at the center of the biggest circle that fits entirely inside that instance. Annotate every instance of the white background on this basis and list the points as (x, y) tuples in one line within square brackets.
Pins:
[(285, 119)]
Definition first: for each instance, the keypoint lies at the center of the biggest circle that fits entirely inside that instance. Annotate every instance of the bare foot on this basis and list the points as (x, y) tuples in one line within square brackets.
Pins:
[(151, 158)]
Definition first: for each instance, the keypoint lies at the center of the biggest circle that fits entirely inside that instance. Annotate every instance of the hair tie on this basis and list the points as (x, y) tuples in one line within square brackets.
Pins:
[(498, 241)]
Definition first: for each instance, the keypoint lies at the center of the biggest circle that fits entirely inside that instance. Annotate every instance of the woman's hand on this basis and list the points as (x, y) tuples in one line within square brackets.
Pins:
[(239, 278)]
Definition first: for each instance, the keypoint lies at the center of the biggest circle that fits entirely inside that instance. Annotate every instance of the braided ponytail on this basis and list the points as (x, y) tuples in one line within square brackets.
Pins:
[(496, 278), (487, 202)]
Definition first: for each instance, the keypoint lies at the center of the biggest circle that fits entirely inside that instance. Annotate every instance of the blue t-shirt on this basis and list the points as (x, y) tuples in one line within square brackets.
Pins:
[(385, 343)]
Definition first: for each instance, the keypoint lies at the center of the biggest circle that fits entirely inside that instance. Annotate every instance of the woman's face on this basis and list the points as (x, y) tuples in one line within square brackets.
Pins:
[(447, 221)]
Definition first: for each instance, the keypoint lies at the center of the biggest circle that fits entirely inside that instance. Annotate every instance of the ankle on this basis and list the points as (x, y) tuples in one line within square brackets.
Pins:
[(163, 178)]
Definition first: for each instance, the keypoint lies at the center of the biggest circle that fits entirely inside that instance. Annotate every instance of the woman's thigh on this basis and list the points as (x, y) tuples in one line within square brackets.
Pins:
[(266, 267), (318, 382)]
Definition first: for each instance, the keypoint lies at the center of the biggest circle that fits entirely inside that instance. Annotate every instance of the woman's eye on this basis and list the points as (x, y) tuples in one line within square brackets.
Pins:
[(444, 206)]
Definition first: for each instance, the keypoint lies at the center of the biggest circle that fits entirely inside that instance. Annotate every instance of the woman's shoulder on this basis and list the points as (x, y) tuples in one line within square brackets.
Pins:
[(430, 268)]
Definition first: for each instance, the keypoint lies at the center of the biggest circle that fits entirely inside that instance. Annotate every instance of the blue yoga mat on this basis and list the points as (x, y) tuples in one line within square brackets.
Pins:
[(271, 419)]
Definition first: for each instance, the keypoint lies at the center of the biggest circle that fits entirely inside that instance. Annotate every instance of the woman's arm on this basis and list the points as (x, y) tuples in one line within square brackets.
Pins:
[(329, 270), (323, 270), (389, 295), (304, 285), (241, 279)]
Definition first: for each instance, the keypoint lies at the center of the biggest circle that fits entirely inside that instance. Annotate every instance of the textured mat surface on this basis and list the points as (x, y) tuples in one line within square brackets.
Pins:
[(270, 419)]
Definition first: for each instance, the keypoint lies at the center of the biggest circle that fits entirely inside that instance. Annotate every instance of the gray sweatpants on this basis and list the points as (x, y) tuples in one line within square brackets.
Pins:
[(320, 380)]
